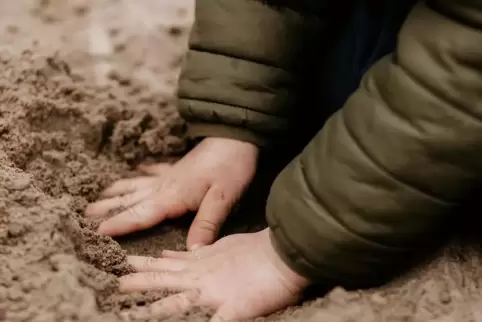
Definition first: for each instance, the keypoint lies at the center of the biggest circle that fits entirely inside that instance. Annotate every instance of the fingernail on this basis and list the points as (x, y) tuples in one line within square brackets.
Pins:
[(196, 246), (101, 230), (88, 210)]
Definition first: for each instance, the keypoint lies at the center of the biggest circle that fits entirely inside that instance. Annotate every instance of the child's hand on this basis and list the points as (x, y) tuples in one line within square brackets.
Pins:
[(210, 179), (240, 276)]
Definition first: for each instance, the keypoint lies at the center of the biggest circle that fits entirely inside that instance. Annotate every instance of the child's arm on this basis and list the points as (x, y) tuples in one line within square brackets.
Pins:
[(241, 76), (384, 175)]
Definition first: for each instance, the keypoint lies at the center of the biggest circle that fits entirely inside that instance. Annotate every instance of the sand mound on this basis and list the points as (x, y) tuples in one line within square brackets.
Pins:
[(62, 141)]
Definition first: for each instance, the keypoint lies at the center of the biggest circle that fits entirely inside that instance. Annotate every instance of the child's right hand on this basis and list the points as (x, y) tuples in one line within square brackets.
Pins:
[(210, 179)]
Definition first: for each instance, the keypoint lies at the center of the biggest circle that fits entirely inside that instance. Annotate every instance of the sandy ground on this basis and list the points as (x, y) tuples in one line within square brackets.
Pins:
[(87, 90)]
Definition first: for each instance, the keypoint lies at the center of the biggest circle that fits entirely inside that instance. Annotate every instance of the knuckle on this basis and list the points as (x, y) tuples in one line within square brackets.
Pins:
[(125, 201), (219, 194), (138, 214), (193, 277), (195, 254), (148, 263), (225, 197), (135, 214), (207, 225), (155, 187), (155, 278), (131, 185), (170, 182), (182, 301)]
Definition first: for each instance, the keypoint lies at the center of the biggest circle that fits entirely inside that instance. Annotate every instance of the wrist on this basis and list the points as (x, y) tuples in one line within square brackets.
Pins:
[(293, 280), (234, 144), (208, 130)]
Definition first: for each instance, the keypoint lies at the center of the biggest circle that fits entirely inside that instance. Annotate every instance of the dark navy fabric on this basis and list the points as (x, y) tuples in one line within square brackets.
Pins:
[(369, 33)]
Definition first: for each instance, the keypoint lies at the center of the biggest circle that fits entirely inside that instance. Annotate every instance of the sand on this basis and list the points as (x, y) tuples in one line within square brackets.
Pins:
[(87, 91)]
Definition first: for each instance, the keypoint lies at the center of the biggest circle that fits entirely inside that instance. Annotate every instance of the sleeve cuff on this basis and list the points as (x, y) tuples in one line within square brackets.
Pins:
[(291, 256), (201, 130)]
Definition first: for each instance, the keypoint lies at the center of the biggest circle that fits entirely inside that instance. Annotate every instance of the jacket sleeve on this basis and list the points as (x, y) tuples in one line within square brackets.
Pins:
[(243, 70), (386, 172)]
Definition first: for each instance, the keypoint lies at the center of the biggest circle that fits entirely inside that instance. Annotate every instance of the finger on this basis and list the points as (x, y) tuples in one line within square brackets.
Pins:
[(164, 308), (125, 186), (176, 304), (138, 217), (197, 253), (154, 169), (212, 214), (146, 281), (176, 254), (152, 264), (103, 207), (143, 215)]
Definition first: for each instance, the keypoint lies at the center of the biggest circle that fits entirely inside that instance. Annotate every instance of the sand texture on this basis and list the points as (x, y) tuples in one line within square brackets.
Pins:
[(87, 91)]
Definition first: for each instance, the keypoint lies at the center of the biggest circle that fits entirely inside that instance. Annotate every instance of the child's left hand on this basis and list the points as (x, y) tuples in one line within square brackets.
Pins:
[(240, 276)]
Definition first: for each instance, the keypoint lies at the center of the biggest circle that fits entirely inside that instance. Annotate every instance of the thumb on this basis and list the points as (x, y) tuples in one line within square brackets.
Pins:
[(211, 215)]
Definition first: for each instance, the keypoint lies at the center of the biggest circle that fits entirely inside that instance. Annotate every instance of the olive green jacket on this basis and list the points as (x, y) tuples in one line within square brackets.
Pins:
[(386, 171)]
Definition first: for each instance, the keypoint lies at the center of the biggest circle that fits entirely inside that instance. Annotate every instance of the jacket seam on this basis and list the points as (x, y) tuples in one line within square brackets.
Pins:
[(219, 53), (440, 95), (340, 223), (187, 98), (388, 173)]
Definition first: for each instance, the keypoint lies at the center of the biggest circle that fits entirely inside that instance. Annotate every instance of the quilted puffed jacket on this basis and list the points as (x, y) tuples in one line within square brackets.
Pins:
[(387, 170)]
